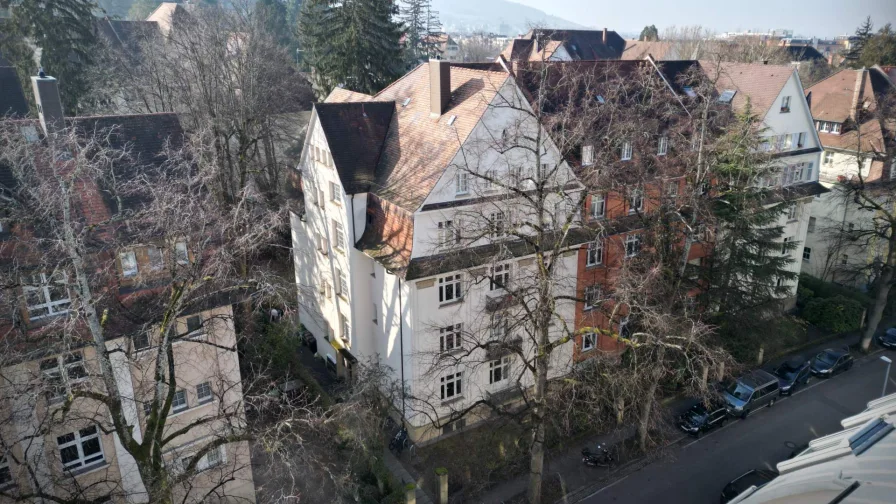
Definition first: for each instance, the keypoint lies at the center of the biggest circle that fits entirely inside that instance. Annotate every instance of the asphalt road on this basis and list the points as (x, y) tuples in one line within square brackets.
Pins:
[(697, 469)]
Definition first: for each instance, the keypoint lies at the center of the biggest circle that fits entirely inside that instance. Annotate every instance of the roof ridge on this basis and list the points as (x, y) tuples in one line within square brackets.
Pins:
[(829, 76), (396, 81)]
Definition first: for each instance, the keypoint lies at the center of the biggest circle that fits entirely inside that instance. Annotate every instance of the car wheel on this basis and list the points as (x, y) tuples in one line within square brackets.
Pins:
[(745, 414), (772, 402)]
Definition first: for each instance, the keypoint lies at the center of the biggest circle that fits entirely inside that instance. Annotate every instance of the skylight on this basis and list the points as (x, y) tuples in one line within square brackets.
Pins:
[(600, 99), (451, 120), (688, 90), (873, 432), (727, 95), (405, 102)]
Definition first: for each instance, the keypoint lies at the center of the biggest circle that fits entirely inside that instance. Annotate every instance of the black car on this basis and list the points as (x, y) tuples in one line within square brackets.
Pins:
[(756, 477), (831, 361), (888, 339), (791, 374), (703, 417)]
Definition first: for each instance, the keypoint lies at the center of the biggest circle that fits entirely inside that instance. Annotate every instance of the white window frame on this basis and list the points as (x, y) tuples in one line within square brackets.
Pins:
[(594, 254), (788, 142), (334, 190), (156, 258), (497, 225), (800, 140), (450, 285), (836, 128), (488, 180), (500, 277), (672, 188), (42, 288), (598, 205), (811, 226), (793, 212), (807, 254), (341, 283), (454, 381), (589, 341), (587, 155), (785, 104), (6, 479), (499, 370), (636, 201), (339, 233), (181, 253), (82, 461), (632, 245), (451, 338), (345, 328), (128, 262), (449, 235), (626, 151), (591, 296), (787, 239), (662, 147), (202, 397), (828, 157), (175, 406), (62, 372), (499, 326), (461, 183)]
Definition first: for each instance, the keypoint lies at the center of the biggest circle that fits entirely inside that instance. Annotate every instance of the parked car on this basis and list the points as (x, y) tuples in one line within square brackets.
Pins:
[(888, 339), (753, 390), (703, 417), (831, 361), (756, 477), (791, 374)]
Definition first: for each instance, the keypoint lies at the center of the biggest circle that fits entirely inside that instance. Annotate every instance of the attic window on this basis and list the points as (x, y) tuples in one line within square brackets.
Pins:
[(726, 96), (451, 120), (600, 99), (688, 90), (405, 102)]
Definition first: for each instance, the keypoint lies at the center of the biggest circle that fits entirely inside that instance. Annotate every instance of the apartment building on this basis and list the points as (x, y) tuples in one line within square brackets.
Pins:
[(58, 441), (847, 108)]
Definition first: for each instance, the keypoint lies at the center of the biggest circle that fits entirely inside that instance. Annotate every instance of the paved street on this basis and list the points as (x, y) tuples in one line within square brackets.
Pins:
[(696, 470)]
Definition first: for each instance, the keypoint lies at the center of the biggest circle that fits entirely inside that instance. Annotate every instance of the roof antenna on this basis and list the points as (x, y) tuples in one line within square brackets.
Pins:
[(41, 73)]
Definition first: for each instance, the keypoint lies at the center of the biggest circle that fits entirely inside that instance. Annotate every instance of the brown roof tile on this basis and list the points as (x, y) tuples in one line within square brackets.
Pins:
[(760, 83), (639, 49)]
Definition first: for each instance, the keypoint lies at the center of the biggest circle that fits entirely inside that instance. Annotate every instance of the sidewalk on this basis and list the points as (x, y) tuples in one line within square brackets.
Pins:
[(579, 479)]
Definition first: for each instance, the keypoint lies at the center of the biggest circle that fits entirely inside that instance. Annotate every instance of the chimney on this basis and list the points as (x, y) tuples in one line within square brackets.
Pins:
[(857, 93), (605, 36), (49, 105), (439, 87)]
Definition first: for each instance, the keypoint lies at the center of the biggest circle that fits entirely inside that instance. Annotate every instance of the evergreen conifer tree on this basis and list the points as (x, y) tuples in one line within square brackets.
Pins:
[(422, 31), (863, 34)]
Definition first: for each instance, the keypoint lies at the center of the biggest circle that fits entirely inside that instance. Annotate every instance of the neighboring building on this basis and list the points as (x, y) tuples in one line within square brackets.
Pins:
[(565, 45), (661, 50), (82, 456), (857, 464), (167, 14), (845, 107), (775, 95), (449, 50)]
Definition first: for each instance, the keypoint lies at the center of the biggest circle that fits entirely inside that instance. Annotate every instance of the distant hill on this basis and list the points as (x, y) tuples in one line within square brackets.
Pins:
[(496, 16)]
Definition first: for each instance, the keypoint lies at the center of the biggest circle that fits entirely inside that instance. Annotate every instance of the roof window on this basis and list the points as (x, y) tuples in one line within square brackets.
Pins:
[(451, 120), (688, 90), (871, 433), (727, 95), (406, 101), (600, 99)]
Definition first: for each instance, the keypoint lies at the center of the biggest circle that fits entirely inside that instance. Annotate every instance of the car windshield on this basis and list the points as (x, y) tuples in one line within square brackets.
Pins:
[(697, 413), (826, 358), (739, 391), (787, 371)]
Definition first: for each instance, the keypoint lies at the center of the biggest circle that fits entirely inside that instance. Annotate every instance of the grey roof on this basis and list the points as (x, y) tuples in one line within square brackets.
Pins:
[(12, 97)]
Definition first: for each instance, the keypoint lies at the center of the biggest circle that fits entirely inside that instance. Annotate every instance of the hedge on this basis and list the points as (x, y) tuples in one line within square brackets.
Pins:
[(836, 314), (821, 289)]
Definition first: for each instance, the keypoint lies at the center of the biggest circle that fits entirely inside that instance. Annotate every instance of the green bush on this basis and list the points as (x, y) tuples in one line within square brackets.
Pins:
[(822, 289), (836, 314)]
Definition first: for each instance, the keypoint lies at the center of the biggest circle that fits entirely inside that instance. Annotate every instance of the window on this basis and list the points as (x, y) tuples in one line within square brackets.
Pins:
[(60, 372), (204, 392), (779, 141), (788, 141), (141, 340), (636, 201), (128, 262), (808, 172), (194, 325), (213, 458), (844, 259), (451, 385), (334, 192), (181, 254), (792, 212), (807, 254), (595, 253), (587, 155), (450, 289), (662, 146), (800, 140), (811, 228), (448, 235), (488, 179), (461, 183), (592, 296), (323, 245), (498, 221), (180, 401), (544, 171), (598, 205), (345, 328), (727, 95), (672, 189), (787, 241), (156, 262), (688, 90), (450, 338), (320, 198), (498, 370), (632, 245), (5, 474), (600, 99), (341, 283), (375, 314), (626, 151), (80, 448), (500, 277), (589, 341), (785, 104), (828, 157), (624, 330), (824, 126), (339, 234), (47, 296), (835, 128)]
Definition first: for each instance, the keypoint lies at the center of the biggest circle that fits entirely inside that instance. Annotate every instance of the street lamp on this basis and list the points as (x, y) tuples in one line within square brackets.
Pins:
[(886, 376)]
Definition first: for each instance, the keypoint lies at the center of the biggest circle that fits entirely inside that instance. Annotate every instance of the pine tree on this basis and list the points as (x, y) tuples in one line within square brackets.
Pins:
[(749, 270), (650, 34), (352, 43), (422, 31), (863, 34)]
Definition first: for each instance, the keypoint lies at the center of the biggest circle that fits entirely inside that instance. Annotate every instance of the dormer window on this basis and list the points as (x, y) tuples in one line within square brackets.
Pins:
[(829, 127), (785, 104)]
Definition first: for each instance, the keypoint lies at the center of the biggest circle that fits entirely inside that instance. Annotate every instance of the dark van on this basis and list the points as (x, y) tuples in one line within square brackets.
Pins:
[(753, 390)]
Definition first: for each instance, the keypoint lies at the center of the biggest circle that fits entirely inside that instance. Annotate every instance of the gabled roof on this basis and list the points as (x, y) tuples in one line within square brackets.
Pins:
[(583, 45), (12, 97), (639, 49), (355, 133), (518, 49), (803, 53), (760, 83)]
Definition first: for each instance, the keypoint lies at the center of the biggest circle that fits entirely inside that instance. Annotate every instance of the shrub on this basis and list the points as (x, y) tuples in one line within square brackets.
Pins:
[(822, 289), (837, 314)]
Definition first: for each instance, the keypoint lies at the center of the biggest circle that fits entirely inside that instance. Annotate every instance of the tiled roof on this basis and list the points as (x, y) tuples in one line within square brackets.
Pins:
[(583, 45), (12, 99), (517, 49), (803, 53), (639, 49), (355, 133), (761, 83), (125, 34)]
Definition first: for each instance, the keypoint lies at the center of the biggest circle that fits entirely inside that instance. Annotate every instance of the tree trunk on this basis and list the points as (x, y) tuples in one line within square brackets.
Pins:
[(884, 282), (647, 405), (536, 463)]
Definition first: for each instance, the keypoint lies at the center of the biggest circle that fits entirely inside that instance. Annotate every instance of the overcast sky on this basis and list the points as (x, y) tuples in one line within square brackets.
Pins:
[(809, 18)]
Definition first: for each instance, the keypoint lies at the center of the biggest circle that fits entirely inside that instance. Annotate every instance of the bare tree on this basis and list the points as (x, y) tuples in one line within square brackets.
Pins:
[(478, 48)]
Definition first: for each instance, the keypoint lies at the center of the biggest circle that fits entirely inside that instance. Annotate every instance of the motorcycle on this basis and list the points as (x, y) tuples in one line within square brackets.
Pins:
[(600, 457), (399, 442)]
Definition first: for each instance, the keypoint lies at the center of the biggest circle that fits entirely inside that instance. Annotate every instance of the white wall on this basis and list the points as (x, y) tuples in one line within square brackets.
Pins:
[(842, 164)]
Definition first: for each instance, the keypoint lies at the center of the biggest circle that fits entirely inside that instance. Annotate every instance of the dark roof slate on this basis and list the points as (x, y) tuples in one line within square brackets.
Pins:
[(12, 97)]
